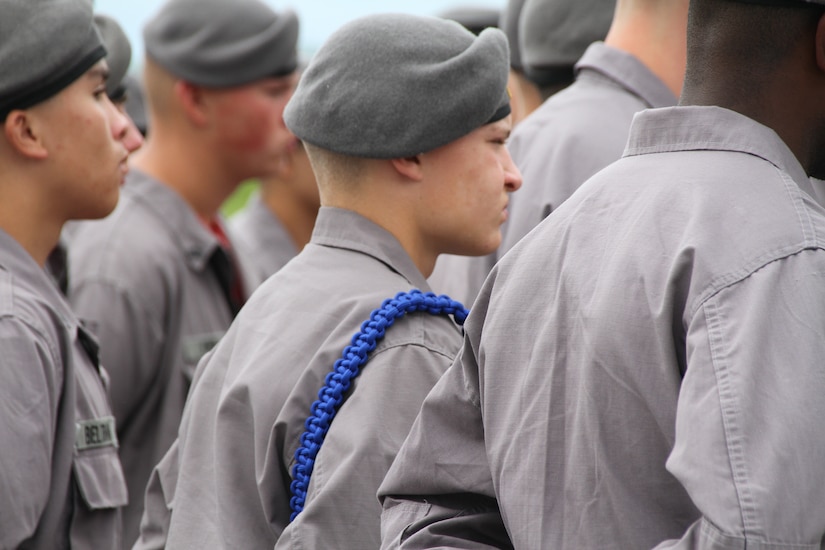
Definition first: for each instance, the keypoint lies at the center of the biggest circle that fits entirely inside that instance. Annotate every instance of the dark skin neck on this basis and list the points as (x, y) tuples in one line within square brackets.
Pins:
[(788, 100)]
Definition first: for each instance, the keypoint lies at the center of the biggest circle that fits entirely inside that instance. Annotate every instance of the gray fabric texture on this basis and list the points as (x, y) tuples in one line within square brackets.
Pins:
[(226, 480), (118, 53), (554, 34), (54, 493), (46, 45), (645, 368), (222, 44), (392, 85)]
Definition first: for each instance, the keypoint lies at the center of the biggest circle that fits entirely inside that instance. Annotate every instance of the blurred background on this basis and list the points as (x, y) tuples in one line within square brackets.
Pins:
[(319, 18)]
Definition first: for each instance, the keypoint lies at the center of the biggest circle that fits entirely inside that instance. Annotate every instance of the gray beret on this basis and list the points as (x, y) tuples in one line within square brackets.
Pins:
[(119, 54), (391, 86), (555, 33), (509, 23), (474, 19), (222, 43), (44, 47)]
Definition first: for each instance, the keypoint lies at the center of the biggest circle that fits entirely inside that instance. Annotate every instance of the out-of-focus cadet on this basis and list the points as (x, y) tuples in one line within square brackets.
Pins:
[(645, 368), (62, 157), (525, 95), (277, 221), (402, 178), (573, 135), (157, 280), (118, 57), (135, 103)]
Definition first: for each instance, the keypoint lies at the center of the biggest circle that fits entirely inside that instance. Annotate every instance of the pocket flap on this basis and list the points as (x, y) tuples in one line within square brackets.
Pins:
[(100, 479)]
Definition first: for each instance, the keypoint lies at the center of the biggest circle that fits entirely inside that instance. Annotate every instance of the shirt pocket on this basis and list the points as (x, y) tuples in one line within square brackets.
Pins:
[(100, 479), (194, 348)]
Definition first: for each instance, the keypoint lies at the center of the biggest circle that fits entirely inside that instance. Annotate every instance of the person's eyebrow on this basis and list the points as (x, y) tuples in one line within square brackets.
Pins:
[(101, 73)]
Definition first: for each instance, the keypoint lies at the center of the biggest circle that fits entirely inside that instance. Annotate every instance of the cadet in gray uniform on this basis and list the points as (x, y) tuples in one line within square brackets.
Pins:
[(645, 369), (402, 179), (277, 221), (61, 482), (154, 280), (582, 129)]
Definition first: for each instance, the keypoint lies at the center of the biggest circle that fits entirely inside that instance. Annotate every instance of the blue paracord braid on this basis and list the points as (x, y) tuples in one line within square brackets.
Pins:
[(346, 369)]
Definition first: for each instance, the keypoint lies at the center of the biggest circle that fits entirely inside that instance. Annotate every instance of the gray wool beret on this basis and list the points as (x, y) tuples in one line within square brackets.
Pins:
[(222, 43), (391, 86), (509, 23), (44, 47), (474, 19), (555, 33), (119, 54)]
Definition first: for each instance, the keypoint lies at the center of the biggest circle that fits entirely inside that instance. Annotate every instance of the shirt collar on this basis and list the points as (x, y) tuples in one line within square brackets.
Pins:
[(342, 228), (697, 128), (27, 276), (627, 71)]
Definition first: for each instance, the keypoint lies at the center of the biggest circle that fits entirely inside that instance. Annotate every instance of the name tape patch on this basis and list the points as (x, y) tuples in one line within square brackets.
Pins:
[(96, 433)]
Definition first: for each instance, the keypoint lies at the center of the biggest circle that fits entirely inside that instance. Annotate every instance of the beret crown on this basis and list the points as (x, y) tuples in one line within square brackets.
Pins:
[(554, 34), (46, 45), (222, 43), (392, 85)]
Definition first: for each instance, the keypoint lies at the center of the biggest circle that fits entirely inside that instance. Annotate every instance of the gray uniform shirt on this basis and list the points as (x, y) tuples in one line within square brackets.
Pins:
[(648, 363), (141, 279), (261, 242), (61, 483), (227, 478), (570, 137)]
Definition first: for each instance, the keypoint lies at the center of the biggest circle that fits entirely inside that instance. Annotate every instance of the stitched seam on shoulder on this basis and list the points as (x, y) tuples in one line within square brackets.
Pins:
[(802, 215), (730, 420)]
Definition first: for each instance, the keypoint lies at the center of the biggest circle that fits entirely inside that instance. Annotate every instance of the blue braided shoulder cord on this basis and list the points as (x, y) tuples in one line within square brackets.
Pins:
[(345, 369)]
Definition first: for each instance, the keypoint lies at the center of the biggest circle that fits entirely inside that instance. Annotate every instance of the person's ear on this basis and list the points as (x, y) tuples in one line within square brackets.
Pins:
[(820, 43), (409, 167), (192, 99), (22, 131)]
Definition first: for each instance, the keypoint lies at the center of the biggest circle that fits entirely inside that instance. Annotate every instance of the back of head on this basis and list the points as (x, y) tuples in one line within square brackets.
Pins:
[(392, 86), (736, 46), (221, 44), (45, 46), (555, 33)]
